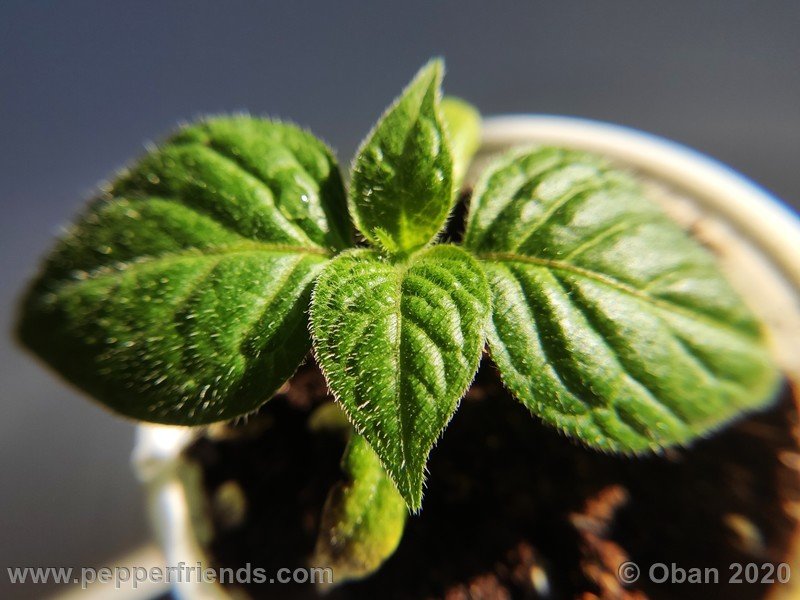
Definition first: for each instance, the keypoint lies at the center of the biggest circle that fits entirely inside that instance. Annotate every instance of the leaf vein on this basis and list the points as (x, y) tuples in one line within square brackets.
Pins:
[(590, 314), (607, 280)]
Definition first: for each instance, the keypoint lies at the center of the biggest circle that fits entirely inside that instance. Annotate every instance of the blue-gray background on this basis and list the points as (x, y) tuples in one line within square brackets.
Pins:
[(84, 84)]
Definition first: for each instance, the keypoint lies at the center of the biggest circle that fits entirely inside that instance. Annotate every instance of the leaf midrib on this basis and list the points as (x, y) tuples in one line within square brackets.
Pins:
[(401, 271), (612, 282), (240, 248)]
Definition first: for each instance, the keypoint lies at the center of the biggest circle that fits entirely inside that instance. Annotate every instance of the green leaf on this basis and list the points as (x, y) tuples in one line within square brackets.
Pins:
[(180, 296), (463, 123), (399, 344), (402, 183), (363, 518), (608, 321)]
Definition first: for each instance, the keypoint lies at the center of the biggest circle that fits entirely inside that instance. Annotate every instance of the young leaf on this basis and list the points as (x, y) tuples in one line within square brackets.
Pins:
[(402, 183), (180, 295), (363, 518), (463, 124), (608, 321), (399, 344)]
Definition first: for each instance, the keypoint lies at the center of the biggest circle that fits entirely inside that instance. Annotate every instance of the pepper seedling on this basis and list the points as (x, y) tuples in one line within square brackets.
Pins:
[(195, 284)]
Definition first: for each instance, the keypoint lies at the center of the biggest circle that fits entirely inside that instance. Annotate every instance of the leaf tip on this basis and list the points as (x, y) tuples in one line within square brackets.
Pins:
[(435, 66), (412, 495)]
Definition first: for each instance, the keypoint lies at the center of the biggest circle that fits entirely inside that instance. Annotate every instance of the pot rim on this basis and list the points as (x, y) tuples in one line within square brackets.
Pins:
[(769, 224), (757, 214)]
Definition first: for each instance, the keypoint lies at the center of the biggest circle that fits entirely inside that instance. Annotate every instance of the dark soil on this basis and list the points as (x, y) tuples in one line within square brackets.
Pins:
[(513, 509)]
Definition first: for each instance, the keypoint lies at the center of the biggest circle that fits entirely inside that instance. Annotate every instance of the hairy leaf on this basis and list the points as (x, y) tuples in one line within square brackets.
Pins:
[(363, 518), (180, 296), (402, 184), (463, 123), (608, 320), (399, 344)]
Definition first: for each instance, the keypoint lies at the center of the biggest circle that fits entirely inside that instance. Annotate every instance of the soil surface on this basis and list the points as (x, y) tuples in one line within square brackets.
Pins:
[(512, 508)]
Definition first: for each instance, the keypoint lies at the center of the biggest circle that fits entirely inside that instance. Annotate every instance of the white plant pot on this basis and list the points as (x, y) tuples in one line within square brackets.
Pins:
[(756, 237)]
